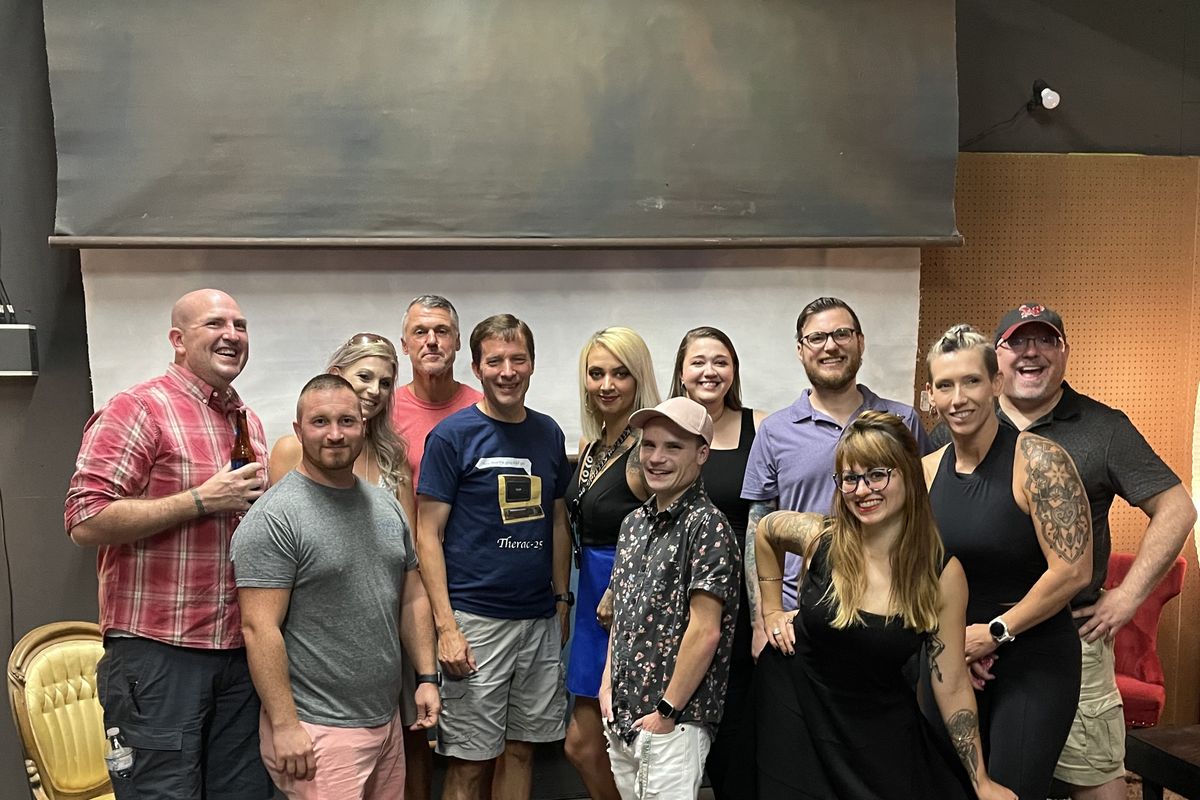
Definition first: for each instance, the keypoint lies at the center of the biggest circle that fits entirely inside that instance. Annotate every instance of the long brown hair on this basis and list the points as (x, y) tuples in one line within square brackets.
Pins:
[(881, 439)]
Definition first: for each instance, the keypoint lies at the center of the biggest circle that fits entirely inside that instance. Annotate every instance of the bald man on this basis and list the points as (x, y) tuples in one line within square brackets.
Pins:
[(153, 491)]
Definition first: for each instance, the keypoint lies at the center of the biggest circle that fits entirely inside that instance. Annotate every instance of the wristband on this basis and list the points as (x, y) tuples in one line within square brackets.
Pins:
[(198, 501), (434, 678), (761, 579), (568, 598), (668, 711)]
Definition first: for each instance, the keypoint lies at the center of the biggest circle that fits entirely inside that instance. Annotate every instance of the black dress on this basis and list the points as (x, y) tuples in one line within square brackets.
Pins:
[(838, 720), (730, 761), (1026, 713)]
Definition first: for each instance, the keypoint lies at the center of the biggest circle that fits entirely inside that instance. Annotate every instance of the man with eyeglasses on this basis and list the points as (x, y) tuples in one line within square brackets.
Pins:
[(792, 456), (1113, 459)]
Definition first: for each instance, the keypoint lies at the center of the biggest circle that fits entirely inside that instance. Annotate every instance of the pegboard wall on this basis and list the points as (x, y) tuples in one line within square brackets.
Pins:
[(1110, 242)]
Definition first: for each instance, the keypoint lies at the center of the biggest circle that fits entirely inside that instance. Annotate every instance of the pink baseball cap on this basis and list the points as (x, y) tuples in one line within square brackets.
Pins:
[(683, 411)]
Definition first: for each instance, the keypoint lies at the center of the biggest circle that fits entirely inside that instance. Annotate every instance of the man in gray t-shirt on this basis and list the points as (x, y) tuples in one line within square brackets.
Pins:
[(322, 563)]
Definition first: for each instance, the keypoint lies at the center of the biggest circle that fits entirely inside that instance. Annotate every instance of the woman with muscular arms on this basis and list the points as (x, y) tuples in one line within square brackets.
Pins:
[(1012, 510)]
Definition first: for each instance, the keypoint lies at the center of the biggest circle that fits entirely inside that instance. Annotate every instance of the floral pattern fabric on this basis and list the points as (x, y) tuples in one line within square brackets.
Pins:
[(662, 558)]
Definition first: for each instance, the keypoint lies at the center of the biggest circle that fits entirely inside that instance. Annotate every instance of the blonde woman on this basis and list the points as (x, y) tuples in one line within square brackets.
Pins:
[(368, 362), (1013, 511), (616, 378), (836, 716)]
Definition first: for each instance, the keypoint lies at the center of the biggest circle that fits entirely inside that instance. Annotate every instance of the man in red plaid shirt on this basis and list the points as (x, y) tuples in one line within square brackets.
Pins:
[(153, 490)]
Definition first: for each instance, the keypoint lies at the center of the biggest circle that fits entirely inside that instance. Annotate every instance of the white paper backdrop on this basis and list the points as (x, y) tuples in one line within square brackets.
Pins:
[(302, 304)]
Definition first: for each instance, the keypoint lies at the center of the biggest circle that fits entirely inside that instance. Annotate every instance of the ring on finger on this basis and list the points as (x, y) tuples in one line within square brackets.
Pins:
[(775, 632)]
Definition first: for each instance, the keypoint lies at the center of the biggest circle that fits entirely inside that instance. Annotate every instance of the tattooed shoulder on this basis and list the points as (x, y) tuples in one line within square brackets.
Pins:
[(793, 530), (1057, 501), (634, 464)]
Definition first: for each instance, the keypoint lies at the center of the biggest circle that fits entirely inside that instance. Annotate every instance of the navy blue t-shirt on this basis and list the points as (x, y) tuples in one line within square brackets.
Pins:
[(501, 480)]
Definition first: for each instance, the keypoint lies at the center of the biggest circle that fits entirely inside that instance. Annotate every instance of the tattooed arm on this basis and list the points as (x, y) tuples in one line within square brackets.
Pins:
[(633, 470), (951, 686), (775, 534), (758, 510), (1047, 486)]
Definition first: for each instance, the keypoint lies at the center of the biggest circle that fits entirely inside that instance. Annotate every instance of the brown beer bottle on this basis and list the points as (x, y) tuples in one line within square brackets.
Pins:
[(242, 453)]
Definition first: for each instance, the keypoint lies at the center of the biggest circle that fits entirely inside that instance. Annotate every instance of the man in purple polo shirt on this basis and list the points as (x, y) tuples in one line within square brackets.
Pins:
[(791, 461)]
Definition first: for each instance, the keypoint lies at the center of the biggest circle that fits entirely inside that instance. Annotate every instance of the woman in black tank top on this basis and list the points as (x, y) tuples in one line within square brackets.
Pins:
[(616, 378), (707, 371), (1011, 507)]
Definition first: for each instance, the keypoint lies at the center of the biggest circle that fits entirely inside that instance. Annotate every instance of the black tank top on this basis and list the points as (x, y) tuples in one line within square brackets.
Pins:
[(723, 474), (605, 504), (982, 525)]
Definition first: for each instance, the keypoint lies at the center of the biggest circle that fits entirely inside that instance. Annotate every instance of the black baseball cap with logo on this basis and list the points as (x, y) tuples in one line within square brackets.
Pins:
[(1023, 315)]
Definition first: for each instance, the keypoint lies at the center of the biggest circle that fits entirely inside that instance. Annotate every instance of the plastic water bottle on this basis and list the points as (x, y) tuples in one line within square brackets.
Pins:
[(119, 758)]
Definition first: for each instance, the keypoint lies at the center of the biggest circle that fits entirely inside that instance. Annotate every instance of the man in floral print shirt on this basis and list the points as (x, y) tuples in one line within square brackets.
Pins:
[(675, 589)]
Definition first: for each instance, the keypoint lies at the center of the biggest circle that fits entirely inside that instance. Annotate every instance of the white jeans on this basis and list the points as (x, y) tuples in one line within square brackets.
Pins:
[(662, 766)]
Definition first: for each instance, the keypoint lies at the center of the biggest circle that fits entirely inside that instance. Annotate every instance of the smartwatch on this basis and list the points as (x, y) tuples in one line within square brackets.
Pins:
[(998, 628), (667, 711), (568, 598), (435, 678)]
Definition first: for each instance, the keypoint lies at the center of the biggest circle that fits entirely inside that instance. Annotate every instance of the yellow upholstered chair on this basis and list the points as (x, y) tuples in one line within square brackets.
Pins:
[(52, 689)]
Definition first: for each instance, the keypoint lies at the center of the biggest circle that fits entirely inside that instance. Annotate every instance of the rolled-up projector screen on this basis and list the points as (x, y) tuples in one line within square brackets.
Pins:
[(618, 122)]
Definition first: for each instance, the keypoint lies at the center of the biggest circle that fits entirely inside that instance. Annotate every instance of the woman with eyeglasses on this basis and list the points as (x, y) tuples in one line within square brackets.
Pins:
[(616, 378), (837, 717), (1012, 509), (368, 362), (708, 371)]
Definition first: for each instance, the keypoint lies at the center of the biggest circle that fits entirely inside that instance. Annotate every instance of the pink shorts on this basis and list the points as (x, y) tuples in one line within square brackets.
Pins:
[(352, 763)]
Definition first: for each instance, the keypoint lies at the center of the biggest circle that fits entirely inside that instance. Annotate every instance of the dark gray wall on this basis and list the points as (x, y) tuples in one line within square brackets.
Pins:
[(40, 420), (1128, 73)]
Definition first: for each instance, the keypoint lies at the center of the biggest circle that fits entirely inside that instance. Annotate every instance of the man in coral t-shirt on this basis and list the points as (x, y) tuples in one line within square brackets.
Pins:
[(430, 341)]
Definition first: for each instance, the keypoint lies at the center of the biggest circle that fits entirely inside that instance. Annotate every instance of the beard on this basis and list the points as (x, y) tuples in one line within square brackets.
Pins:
[(332, 460), (838, 381)]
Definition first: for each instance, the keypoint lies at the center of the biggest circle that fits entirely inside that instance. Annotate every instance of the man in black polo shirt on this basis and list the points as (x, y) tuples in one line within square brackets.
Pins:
[(1113, 459), (675, 597)]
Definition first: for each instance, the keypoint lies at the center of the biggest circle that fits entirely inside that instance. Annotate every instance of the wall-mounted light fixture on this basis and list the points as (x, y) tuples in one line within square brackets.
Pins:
[(1043, 97)]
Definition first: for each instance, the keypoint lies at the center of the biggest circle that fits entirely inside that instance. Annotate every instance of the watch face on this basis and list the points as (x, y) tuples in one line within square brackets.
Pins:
[(997, 629)]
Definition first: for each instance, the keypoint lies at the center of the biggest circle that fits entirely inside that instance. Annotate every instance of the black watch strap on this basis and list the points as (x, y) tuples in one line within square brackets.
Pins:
[(667, 711), (568, 598), (433, 677)]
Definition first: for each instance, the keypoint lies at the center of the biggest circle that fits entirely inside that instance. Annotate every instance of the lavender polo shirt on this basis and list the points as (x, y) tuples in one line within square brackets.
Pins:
[(791, 461)]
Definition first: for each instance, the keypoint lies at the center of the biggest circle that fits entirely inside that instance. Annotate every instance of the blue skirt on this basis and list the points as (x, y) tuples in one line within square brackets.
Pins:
[(589, 642)]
